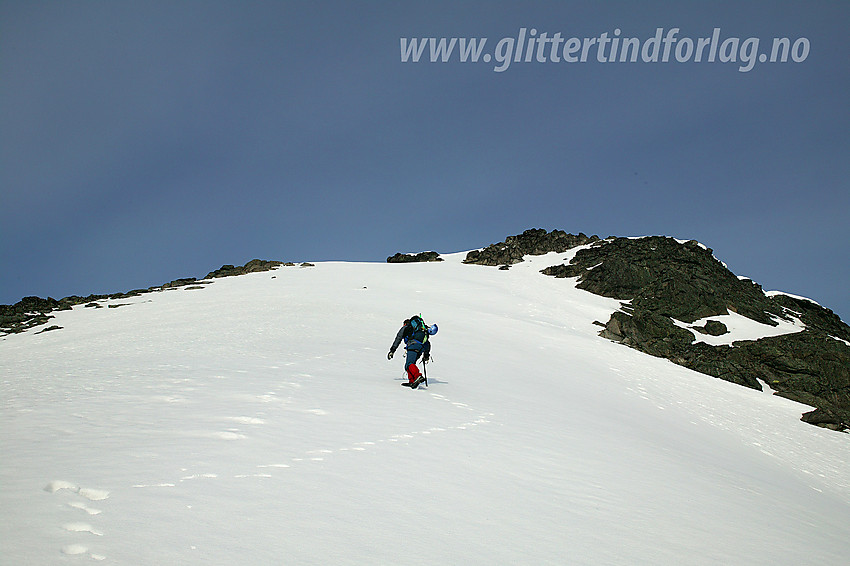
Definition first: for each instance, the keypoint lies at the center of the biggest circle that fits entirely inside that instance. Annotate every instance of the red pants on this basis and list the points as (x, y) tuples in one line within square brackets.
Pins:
[(413, 373)]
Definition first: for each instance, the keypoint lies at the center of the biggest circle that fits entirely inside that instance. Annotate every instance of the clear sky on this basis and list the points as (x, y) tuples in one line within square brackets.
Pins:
[(145, 141)]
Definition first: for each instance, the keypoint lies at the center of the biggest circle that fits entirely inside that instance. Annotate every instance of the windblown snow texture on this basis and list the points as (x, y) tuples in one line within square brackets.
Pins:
[(257, 421)]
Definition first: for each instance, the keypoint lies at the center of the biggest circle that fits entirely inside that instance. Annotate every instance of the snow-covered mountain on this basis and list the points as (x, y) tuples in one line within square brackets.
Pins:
[(256, 420)]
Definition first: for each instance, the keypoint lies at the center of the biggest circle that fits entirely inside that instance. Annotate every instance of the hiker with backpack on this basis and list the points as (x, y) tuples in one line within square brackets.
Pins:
[(415, 334)]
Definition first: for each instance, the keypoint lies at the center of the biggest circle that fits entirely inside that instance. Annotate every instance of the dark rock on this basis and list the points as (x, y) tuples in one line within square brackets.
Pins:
[(664, 279), (613, 329), (179, 283), (653, 332), (258, 265), (306, 264), (813, 315), (27, 313), (414, 258), (712, 328), (682, 281), (535, 241), (833, 419), (253, 266), (49, 328), (33, 311)]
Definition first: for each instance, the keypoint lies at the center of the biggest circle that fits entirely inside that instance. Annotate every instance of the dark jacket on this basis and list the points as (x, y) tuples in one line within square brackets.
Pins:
[(413, 339)]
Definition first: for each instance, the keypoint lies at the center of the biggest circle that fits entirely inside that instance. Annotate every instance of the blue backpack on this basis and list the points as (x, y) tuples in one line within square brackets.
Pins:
[(421, 331)]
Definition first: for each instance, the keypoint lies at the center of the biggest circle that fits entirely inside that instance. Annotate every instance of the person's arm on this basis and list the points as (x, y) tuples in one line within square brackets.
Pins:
[(398, 338)]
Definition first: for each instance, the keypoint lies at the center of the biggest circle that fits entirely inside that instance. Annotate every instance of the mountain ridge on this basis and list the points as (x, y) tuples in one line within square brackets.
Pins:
[(665, 286), (264, 407), (660, 279)]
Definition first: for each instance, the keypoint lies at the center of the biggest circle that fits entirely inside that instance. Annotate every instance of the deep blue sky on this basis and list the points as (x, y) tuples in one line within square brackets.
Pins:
[(145, 141)]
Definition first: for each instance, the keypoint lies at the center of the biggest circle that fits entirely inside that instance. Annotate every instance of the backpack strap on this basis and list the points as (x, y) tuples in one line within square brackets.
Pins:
[(420, 329)]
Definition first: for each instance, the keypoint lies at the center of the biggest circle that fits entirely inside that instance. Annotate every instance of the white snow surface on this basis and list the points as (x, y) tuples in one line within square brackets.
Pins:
[(774, 293), (741, 328), (258, 421)]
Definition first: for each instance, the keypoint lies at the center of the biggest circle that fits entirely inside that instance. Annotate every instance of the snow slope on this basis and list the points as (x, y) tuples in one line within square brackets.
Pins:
[(257, 421), (740, 327)]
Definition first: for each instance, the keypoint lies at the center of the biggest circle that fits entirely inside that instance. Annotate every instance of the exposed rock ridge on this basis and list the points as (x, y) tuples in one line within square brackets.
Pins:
[(30, 312), (535, 241), (253, 266), (660, 279), (658, 274), (414, 258)]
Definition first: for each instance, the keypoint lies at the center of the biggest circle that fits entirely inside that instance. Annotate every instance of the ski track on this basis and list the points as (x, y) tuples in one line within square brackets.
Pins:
[(469, 417), (274, 410), (79, 498)]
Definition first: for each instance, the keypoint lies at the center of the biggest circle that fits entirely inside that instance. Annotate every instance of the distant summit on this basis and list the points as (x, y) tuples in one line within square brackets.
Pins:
[(535, 241), (666, 286), (678, 302)]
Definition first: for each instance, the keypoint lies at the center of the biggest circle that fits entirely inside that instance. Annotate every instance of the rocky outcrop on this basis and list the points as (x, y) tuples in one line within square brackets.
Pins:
[(679, 280), (30, 312), (712, 328), (27, 313), (414, 258), (535, 241), (179, 283), (253, 266), (660, 279)]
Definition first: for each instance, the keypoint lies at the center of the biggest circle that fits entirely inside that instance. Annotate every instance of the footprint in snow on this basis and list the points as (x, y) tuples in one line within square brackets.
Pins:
[(88, 493), (74, 549), (198, 476), (246, 420), (227, 435), (82, 507), (81, 528), (91, 494)]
